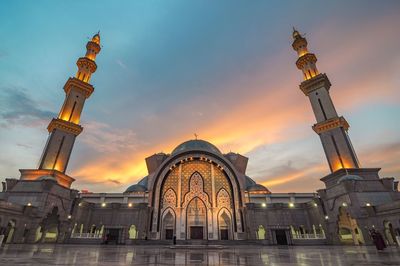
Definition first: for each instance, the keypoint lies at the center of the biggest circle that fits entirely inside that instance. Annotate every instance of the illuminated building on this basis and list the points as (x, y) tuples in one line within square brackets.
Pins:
[(65, 128), (196, 193)]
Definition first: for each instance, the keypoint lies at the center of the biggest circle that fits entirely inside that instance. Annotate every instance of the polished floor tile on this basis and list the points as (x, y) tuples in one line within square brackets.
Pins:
[(182, 255)]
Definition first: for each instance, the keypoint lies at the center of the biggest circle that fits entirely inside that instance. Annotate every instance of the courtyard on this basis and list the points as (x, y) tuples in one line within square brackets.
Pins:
[(47, 254)]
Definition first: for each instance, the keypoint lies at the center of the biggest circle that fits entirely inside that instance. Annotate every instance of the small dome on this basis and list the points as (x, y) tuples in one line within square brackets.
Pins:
[(196, 144), (350, 177), (135, 188), (141, 186), (252, 186), (144, 181), (250, 182), (257, 188), (96, 38), (47, 177)]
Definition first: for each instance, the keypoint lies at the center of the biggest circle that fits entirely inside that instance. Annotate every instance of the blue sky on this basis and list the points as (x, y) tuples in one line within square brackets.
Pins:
[(223, 69)]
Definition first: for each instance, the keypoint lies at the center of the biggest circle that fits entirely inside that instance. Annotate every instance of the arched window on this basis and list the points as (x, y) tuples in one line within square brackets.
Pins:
[(261, 232), (169, 198), (223, 199), (133, 232)]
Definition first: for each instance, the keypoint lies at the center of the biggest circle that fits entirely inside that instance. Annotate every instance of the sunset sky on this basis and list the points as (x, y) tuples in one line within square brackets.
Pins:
[(222, 69)]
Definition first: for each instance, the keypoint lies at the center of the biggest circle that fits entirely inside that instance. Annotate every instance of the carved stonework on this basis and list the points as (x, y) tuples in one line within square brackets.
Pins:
[(196, 186), (196, 183), (223, 199), (169, 199)]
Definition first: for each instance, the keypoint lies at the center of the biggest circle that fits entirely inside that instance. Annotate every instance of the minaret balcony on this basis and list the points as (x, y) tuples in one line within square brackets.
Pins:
[(305, 59), (74, 83), (84, 62), (331, 124), (65, 126), (315, 83)]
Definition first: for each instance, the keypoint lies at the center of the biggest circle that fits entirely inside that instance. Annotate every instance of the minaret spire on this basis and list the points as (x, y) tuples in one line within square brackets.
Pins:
[(64, 129), (331, 128)]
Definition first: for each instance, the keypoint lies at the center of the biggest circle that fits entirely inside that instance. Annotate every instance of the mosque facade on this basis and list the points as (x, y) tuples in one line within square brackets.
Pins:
[(196, 193)]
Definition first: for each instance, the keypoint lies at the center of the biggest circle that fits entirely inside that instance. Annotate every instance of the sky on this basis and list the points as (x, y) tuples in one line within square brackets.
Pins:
[(224, 70)]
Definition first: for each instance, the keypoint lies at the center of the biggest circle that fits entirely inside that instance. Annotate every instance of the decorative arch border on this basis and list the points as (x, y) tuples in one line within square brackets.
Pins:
[(159, 179), (231, 203), (189, 196)]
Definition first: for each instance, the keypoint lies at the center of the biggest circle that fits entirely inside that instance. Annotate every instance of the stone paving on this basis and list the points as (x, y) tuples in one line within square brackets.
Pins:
[(218, 255)]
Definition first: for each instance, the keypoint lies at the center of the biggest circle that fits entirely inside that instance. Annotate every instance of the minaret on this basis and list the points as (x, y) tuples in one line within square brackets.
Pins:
[(64, 129), (331, 128)]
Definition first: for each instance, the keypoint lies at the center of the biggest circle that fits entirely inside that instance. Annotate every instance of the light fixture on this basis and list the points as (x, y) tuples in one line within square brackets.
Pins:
[(344, 204), (326, 217), (69, 216), (264, 204), (80, 204), (368, 204), (291, 204), (315, 204), (29, 204), (129, 204), (103, 204)]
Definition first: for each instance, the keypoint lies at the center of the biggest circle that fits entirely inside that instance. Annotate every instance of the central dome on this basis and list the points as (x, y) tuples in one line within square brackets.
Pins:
[(196, 144)]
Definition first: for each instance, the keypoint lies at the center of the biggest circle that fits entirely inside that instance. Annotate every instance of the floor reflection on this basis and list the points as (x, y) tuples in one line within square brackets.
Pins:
[(164, 255)]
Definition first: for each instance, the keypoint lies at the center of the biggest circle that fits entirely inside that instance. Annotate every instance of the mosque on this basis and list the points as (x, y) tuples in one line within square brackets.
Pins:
[(196, 193)]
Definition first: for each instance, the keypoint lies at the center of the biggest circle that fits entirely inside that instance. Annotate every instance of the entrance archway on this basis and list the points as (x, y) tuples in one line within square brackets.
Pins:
[(389, 233), (348, 230), (261, 232), (51, 234), (38, 234), (196, 217), (168, 224), (132, 232), (10, 231), (50, 226), (224, 225)]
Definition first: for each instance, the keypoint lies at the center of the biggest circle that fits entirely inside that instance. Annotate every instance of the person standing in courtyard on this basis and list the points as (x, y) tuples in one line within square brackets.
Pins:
[(378, 240)]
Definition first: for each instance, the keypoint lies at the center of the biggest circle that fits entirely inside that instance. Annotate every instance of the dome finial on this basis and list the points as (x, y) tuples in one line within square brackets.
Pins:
[(96, 38), (295, 33)]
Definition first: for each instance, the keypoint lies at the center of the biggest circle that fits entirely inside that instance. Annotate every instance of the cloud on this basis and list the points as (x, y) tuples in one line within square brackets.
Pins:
[(17, 107), (233, 82), (23, 145), (103, 138), (121, 64), (115, 181), (385, 156)]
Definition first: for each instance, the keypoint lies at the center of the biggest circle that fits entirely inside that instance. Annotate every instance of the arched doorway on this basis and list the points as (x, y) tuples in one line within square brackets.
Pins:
[(168, 224), (261, 232), (389, 233), (50, 226), (196, 219), (51, 234), (10, 231), (224, 225), (348, 230), (132, 232), (38, 234)]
